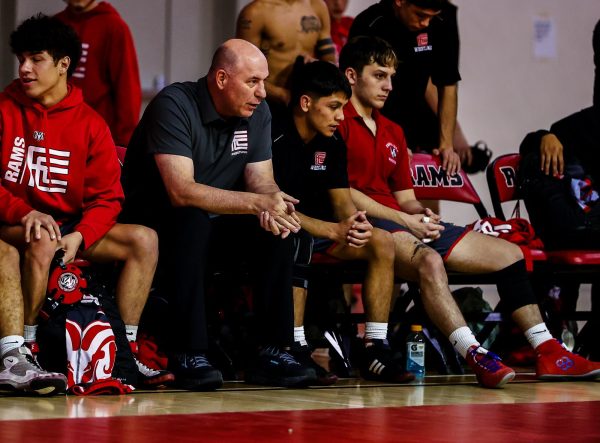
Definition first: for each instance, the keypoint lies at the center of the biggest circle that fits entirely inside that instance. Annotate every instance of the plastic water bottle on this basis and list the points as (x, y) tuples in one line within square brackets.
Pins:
[(415, 352)]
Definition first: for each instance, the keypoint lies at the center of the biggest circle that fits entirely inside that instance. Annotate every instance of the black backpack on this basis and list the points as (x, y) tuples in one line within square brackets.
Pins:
[(553, 210), (99, 285)]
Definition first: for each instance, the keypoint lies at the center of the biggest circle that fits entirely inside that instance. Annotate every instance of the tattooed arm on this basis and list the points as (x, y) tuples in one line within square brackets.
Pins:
[(325, 49)]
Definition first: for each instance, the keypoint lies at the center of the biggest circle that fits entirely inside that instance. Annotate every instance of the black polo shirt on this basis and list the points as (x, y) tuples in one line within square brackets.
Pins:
[(182, 120), (432, 52), (308, 171)]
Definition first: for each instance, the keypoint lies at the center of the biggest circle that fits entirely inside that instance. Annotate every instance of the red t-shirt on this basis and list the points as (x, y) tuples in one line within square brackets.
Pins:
[(339, 32), (377, 165)]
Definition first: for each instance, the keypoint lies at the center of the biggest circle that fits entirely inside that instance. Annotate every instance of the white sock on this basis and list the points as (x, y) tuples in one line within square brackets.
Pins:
[(375, 330), (462, 339), (538, 334), (299, 335), (9, 343), (30, 333), (131, 332)]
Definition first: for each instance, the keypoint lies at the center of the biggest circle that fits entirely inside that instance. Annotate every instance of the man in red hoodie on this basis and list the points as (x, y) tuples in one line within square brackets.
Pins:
[(59, 189), (108, 70)]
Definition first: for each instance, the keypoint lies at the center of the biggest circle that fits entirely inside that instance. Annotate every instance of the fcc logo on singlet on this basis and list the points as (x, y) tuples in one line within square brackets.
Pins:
[(239, 144)]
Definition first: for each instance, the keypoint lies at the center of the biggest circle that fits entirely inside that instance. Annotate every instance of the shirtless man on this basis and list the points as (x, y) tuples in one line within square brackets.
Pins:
[(285, 30)]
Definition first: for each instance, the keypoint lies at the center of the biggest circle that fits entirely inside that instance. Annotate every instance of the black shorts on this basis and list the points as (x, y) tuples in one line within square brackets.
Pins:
[(68, 226), (449, 238)]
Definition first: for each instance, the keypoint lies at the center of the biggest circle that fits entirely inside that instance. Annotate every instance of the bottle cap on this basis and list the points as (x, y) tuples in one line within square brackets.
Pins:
[(416, 328)]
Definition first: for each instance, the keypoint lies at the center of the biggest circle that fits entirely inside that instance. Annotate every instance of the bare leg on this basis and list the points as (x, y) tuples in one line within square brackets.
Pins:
[(300, 295), (11, 297), (36, 259), (527, 316), (479, 253), (417, 262), (137, 247), (379, 281)]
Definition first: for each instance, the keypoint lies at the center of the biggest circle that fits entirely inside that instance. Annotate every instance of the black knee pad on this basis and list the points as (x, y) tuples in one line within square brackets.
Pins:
[(514, 287), (303, 250)]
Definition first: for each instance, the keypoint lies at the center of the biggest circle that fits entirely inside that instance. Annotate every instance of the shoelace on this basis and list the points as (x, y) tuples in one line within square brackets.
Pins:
[(197, 361), (489, 360), (288, 358), (284, 356), (147, 371), (32, 360)]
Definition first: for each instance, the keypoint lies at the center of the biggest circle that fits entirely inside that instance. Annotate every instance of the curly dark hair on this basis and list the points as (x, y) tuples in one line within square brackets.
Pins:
[(42, 33)]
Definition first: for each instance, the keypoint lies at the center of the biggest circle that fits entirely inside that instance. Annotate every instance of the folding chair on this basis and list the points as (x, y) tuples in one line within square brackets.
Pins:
[(501, 177), (576, 265), (430, 182)]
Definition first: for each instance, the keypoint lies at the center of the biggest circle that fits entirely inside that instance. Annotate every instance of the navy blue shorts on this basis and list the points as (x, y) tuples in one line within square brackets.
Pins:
[(449, 238), (68, 226), (323, 245)]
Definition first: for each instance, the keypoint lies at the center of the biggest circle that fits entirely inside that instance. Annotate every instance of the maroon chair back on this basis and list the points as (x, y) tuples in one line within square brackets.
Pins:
[(501, 177), (430, 182)]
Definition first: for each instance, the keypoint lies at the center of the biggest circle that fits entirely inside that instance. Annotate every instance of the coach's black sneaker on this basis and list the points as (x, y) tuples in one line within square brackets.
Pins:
[(194, 372), (302, 353), (378, 364), (274, 367)]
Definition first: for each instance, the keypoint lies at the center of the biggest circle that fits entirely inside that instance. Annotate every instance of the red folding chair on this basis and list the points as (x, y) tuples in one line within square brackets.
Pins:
[(501, 177), (430, 182)]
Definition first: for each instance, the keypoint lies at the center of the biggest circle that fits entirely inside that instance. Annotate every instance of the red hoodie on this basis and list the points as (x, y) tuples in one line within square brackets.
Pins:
[(59, 160), (108, 70)]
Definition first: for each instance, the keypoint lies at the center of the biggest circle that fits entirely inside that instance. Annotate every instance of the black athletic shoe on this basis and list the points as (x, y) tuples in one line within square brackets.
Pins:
[(194, 372), (378, 364), (302, 353), (275, 367)]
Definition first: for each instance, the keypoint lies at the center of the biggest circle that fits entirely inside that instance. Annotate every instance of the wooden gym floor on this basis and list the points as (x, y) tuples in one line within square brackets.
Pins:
[(442, 409)]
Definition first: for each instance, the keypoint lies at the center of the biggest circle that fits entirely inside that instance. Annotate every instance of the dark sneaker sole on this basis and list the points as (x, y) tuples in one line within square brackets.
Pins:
[(283, 382), (194, 384)]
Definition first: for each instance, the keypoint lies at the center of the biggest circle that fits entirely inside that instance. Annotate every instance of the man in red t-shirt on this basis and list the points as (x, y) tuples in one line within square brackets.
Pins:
[(108, 72), (379, 176), (59, 190)]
